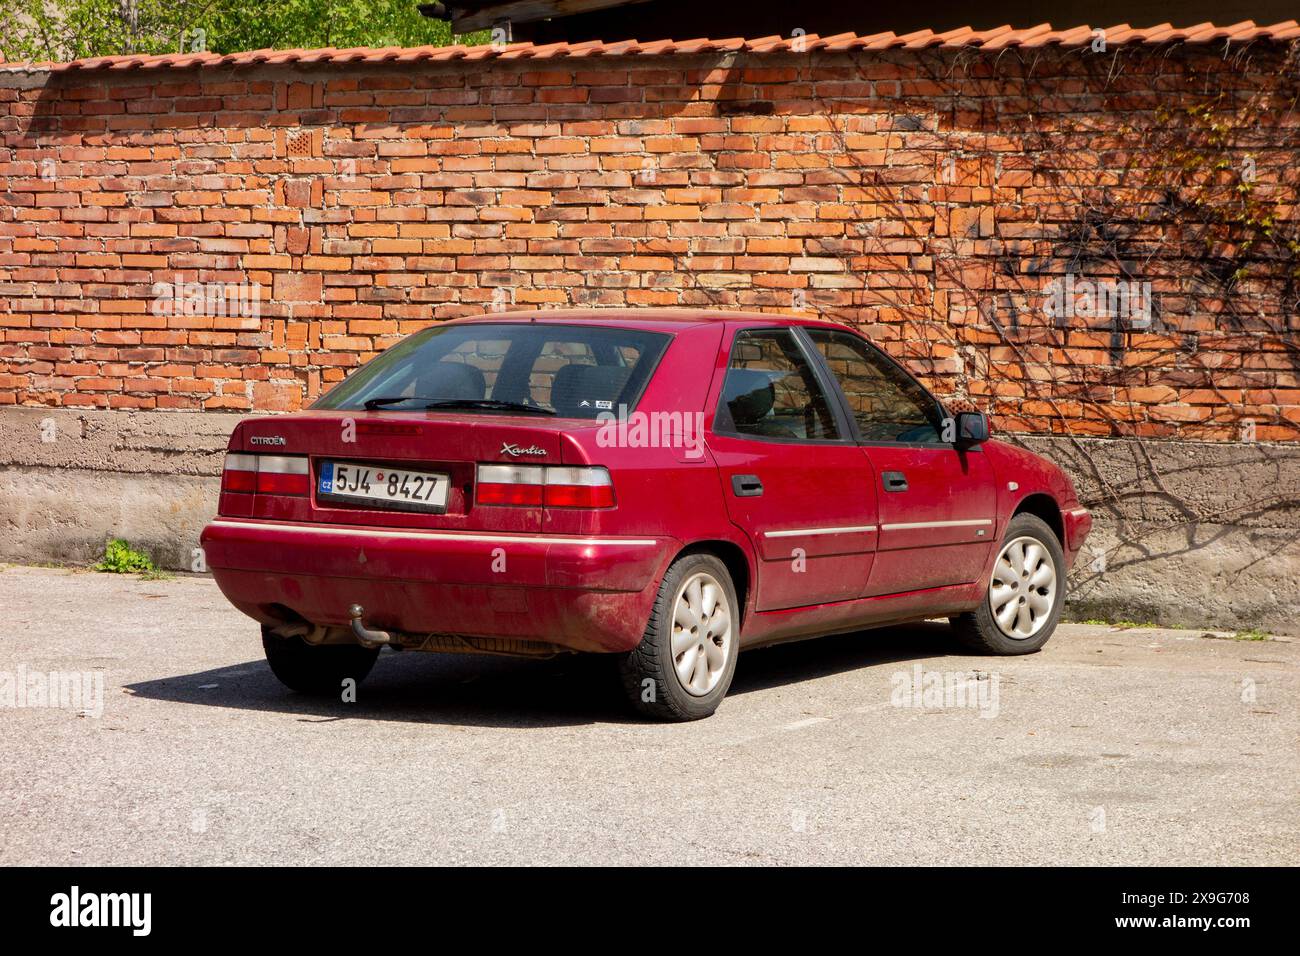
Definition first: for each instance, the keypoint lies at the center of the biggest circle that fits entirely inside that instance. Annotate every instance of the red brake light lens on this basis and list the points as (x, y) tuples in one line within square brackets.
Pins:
[(510, 495)]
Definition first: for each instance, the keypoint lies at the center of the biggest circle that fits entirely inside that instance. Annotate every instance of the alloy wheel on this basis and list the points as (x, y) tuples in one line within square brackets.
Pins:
[(1022, 591), (702, 639)]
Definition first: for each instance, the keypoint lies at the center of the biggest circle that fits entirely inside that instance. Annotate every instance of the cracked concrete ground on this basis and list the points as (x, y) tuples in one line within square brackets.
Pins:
[(1112, 746)]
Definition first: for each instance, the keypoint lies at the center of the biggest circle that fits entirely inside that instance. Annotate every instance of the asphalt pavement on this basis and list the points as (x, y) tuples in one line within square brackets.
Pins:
[(1112, 746)]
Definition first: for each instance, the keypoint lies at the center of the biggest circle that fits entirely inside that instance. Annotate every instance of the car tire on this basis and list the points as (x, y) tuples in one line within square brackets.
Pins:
[(683, 666), (316, 669), (1024, 595)]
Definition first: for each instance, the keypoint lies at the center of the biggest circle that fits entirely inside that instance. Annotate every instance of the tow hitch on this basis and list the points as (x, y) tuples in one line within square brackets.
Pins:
[(367, 637)]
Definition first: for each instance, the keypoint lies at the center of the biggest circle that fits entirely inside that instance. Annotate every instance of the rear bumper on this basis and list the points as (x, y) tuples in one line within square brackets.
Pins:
[(581, 593)]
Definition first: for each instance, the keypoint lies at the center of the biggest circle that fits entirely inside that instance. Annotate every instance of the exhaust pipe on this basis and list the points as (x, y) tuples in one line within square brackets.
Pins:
[(310, 633), (367, 637)]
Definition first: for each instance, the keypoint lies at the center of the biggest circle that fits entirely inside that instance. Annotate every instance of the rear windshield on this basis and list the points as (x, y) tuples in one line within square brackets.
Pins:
[(573, 371)]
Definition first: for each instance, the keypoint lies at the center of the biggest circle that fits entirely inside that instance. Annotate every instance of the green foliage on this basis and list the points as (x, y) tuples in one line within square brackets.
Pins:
[(121, 558), (1211, 186), (240, 25), (68, 29), (1121, 625), (1250, 634), (60, 30)]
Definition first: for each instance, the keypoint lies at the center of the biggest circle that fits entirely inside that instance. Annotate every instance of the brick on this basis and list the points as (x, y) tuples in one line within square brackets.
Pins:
[(367, 201), (297, 287)]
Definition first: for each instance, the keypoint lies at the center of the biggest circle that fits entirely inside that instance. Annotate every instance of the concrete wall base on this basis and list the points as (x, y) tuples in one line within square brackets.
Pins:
[(66, 516), (1187, 534), (1204, 575)]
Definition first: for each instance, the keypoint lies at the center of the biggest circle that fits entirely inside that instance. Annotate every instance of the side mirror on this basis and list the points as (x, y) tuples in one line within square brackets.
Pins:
[(972, 428)]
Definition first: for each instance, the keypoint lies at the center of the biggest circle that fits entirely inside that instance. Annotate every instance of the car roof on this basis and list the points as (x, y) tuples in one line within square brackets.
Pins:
[(652, 319)]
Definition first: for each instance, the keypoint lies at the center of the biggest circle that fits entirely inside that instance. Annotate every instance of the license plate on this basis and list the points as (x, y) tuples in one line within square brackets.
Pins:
[(386, 487)]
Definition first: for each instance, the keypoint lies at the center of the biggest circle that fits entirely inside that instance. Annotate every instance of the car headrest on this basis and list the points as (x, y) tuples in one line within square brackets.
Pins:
[(575, 384), (452, 380), (749, 395)]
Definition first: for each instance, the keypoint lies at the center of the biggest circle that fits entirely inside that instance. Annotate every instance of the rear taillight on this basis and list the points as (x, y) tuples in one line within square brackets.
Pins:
[(282, 475), (266, 474), (578, 488), (549, 486), (510, 484), (240, 473)]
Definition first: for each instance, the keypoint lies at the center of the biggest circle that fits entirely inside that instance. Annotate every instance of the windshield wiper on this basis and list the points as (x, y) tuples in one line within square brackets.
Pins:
[(373, 403), (434, 403), (490, 404)]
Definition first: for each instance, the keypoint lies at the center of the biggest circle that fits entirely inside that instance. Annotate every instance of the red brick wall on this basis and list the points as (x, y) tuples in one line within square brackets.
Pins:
[(927, 198)]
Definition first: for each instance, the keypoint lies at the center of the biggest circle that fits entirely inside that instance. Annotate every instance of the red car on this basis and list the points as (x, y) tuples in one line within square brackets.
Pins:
[(665, 487)]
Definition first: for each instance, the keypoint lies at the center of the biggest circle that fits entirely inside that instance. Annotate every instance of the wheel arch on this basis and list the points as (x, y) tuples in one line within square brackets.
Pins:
[(1044, 506), (736, 560)]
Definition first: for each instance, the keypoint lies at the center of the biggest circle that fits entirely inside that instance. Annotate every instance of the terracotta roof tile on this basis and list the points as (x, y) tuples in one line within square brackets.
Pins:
[(996, 39), (763, 44)]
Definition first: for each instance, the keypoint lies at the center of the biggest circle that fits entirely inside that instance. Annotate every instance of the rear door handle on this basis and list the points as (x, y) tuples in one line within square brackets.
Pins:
[(895, 481), (746, 486)]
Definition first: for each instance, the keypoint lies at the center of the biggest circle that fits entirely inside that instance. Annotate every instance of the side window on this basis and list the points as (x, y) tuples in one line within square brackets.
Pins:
[(772, 391), (887, 404)]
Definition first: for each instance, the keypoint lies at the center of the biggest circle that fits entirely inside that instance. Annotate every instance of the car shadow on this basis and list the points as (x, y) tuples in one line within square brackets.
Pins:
[(790, 663), (518, 693)]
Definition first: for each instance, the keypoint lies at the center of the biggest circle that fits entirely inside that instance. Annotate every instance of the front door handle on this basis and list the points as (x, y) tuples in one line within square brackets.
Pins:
[(746, 486), (895, 481)]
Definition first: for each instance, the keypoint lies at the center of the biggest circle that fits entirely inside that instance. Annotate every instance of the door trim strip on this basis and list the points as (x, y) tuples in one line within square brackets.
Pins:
[(915, 525), (811, 531)]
